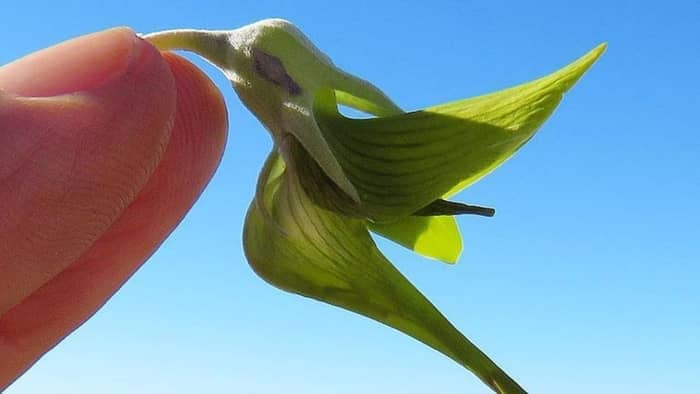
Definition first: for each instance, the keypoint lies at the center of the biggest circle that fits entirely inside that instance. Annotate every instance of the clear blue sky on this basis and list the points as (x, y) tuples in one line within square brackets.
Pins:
[(586, 281)]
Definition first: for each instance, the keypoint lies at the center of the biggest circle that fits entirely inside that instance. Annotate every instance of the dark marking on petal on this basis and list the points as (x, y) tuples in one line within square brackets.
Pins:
[(271, 68), (442, 207)]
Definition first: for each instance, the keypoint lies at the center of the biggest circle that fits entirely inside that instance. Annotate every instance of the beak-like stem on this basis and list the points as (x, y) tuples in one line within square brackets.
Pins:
[(212, 45)]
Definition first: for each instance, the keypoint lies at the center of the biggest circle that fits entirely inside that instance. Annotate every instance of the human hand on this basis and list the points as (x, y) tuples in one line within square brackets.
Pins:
[(104, 146)]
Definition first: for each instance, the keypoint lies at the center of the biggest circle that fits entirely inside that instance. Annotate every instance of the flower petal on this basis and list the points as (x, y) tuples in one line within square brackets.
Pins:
[(400, 164), (297, 246), (436, 237)]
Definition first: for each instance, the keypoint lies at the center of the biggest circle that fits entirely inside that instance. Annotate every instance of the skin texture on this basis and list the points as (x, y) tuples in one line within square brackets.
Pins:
[(105, 144)]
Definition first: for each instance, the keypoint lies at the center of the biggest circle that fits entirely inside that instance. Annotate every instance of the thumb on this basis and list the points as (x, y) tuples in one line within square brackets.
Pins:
[(82, 127)]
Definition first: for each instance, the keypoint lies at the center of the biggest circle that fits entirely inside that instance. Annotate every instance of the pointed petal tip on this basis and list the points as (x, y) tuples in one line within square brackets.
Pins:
[(450, 260), (594, 54), (571, 73), (602, 47)]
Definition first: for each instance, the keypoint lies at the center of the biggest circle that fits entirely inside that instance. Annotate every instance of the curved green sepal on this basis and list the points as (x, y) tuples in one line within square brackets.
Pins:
[(362, 95), (304, 249), (399, 164)]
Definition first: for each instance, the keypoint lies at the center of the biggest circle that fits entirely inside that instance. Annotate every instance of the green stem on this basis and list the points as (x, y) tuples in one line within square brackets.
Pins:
[(212, 45)]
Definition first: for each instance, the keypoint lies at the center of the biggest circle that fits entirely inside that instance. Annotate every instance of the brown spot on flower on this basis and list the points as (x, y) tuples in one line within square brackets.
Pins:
[(271, 68)]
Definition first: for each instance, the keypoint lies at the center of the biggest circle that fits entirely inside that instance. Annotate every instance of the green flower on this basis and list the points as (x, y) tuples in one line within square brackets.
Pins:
[(330, 180)]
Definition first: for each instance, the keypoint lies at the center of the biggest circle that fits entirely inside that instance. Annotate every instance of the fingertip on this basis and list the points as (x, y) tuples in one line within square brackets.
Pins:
[(79, 64)]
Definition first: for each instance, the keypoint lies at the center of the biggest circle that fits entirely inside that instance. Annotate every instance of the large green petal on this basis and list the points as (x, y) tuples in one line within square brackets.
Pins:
[(297, 246), (436, 237), (431, 236), (399, 164)]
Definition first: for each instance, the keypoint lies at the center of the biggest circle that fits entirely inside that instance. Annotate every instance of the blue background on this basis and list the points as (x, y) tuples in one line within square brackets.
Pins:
[(586, 281)]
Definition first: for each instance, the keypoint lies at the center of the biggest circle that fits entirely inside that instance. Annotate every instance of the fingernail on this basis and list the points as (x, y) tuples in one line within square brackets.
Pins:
[(81, 64)]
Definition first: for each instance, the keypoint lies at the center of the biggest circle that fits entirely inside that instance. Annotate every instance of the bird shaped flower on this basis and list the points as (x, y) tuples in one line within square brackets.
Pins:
[(330, 181)]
